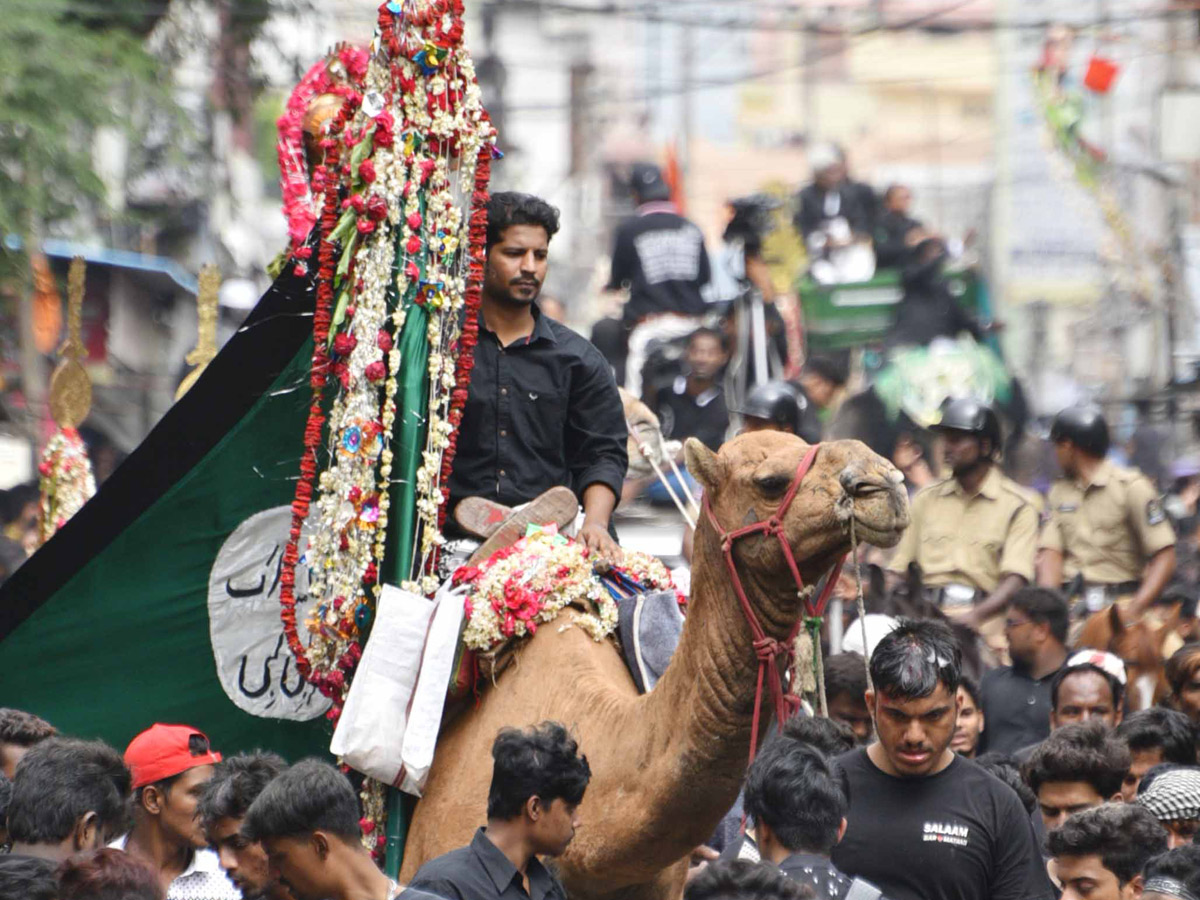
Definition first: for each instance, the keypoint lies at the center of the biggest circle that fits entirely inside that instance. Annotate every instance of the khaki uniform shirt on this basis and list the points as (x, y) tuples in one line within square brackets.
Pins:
[(1109, 529), (976, 540)]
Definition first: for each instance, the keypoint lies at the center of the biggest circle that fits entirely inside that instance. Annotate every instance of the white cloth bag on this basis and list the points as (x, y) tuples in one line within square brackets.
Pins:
[(429, 701), (370, 733)]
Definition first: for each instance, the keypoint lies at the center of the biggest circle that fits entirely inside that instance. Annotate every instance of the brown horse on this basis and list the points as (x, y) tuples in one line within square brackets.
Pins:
[(1139, 645)]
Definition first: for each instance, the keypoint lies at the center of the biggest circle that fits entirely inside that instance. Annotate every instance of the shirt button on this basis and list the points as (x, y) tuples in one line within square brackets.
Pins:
[(503, 473), (1031, 701), (503, 433), (504, 392)]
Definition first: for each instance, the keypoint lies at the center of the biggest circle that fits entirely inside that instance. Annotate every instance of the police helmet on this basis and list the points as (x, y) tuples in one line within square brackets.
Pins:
[(1083, 426), (785, 405), (967, 414)]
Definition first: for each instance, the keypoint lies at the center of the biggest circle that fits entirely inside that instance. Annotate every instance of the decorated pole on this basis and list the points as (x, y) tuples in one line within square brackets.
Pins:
[(394, 176), (66, 481)]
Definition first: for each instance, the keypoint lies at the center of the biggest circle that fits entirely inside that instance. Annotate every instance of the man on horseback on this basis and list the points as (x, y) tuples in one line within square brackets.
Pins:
[(973, 534), (1108, 530)]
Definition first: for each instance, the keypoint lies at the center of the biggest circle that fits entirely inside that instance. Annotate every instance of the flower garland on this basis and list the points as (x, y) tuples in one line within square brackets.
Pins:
[(336, 77), (66, 481), (409, 149), (529, 583)]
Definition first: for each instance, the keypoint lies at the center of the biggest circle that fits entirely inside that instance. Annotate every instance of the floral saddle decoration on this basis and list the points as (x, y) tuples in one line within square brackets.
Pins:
[(530, 584)]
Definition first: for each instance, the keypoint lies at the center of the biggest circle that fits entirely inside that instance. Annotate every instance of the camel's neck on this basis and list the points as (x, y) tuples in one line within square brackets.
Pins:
[(698, 719)]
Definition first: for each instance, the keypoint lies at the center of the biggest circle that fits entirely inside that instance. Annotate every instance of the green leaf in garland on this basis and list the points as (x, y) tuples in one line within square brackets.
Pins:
[(347, 256), (360, 152), (339, 315), (346, 226)]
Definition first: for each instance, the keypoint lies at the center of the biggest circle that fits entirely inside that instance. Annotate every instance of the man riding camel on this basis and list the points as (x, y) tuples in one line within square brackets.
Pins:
[(543, 412)]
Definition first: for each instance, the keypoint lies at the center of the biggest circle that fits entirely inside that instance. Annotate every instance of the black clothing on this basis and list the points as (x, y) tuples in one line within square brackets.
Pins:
[(682, 416), (539, 413), (891, 228), (1016, 708), (480, 871), (928, 309), (824, 878), (816, 210), (961, 834), (660, 255)]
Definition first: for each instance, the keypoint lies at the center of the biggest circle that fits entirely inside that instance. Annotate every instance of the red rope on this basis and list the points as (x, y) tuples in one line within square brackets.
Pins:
[(767, 649)]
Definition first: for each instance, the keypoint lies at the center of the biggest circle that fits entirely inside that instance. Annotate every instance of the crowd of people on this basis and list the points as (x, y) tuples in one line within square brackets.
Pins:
[(934, 795)]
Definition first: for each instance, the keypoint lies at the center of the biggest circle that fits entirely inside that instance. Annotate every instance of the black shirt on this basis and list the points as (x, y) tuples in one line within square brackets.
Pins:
[(823, 877), (540, 413), (660, 255), (961, 834), (1016, 708), (891, 230), (703, 416), (480, 871)]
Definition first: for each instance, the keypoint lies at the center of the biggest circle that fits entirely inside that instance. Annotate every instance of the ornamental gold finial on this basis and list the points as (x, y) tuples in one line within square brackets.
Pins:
[(70, 387), (206, 338)]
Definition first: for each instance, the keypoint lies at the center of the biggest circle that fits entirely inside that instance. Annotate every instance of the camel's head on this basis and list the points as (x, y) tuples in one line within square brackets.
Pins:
[(748, 478)]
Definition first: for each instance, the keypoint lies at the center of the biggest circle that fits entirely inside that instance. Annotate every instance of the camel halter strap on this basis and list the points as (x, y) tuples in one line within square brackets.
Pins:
[(768, 650)]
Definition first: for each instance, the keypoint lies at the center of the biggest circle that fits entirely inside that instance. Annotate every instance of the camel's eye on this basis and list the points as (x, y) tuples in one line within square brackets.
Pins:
[(772, 485)]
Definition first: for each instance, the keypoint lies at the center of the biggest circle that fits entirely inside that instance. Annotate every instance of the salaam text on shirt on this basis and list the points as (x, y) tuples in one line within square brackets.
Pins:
[(960, 834), (540, 412), (660, 255)]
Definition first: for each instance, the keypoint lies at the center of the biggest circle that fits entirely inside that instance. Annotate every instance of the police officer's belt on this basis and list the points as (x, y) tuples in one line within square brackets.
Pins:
[(1098, 595), (952, 595)]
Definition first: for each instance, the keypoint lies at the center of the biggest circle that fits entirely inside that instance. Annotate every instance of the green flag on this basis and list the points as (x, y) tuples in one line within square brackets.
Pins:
[(159, 600)]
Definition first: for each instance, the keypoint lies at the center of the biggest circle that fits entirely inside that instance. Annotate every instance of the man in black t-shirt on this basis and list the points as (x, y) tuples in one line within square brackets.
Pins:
[(660, 257), (694, 404), (925, 824)]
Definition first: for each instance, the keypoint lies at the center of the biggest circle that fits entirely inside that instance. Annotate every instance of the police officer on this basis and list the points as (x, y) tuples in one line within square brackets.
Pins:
[(1107, 526), (973, 535), (780, 406)]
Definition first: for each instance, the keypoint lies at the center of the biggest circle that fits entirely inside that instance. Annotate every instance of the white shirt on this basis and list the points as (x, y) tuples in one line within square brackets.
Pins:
[(203, 879)]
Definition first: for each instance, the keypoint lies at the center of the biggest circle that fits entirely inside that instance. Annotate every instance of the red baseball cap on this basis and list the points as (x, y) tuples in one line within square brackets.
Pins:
[(162, 751)]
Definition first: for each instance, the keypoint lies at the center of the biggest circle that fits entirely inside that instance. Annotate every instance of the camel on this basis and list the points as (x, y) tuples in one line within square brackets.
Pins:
[(668, 765)]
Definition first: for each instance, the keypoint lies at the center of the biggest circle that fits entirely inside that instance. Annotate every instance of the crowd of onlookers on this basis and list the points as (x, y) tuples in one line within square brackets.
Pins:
[(1039, 782)]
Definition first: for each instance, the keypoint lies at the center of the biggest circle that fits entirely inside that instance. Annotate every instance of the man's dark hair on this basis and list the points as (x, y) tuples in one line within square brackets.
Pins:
[(1181, 864), (107, 875), (792, 789), (508, 208), (829, 736), (911, 661), (1086, 752), (705, 331), (542, 761), (1115, 687), (1044, 606), (27, 878), (62, 779), (1160, 729), (23, 729), (1008, 770), (5, 799), (968, 684), (310, 796), (236, 782), (825, 367), (846, 673), (1125, 836), (741, 879)]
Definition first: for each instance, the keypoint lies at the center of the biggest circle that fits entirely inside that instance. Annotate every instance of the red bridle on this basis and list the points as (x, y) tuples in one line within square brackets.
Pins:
[(768, 650)]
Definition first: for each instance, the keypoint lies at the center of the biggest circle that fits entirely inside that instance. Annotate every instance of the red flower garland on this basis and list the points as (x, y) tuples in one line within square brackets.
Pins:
[(316, 417)]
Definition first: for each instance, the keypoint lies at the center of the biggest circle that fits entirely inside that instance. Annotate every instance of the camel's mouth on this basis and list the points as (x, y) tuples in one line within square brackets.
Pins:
[(881, 534)]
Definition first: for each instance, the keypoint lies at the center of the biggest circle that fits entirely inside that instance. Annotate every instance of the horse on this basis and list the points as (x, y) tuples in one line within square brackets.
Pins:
[(1139, 645)]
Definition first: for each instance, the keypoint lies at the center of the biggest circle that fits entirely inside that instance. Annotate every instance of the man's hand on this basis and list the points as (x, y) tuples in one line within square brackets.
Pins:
[(701, 857), (597, 539)]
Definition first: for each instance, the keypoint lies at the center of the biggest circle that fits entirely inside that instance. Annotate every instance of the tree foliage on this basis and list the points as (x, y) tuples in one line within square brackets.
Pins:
[(61, 78)]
